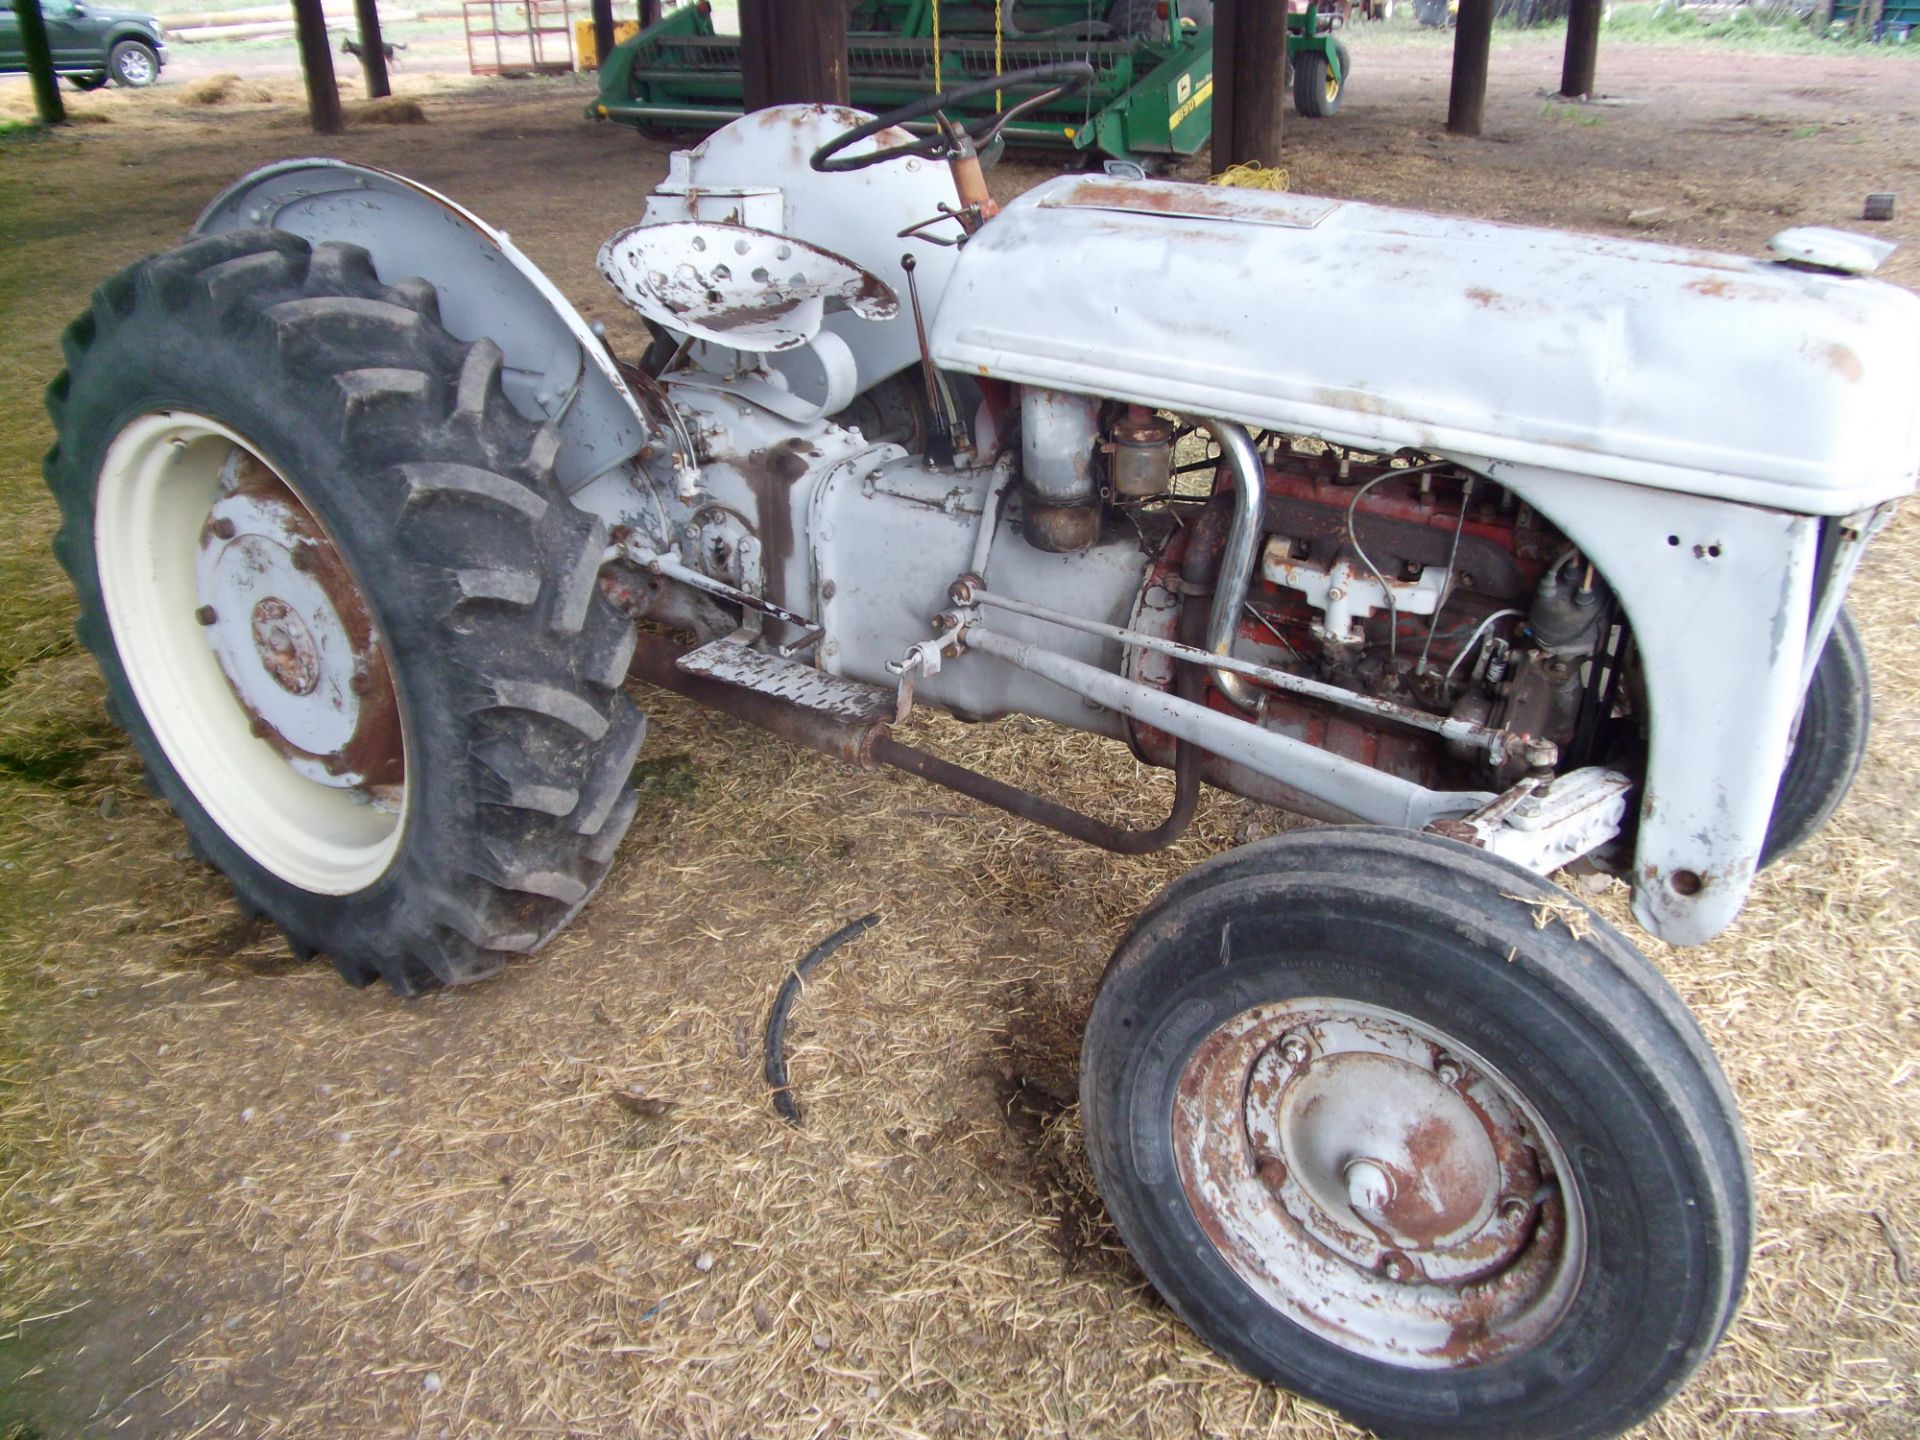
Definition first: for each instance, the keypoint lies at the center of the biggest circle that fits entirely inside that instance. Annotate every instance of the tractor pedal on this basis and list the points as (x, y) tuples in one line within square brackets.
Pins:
[(801, 686)]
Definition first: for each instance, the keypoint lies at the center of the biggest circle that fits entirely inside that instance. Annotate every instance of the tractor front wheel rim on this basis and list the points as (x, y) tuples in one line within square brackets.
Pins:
[(1378, 1183)]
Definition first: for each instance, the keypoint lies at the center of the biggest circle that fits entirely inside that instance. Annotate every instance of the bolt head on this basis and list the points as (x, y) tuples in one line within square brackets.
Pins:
[(1294, 1050), (1272, 1171), (1448, 1071), (303, 557), (1397, 1268), (260, 729), (206, 615), (361, 683), (1513, 1210), (222, 528)]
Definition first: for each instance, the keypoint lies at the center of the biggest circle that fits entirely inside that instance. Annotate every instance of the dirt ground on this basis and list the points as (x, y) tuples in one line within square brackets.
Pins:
[(237, 1198)]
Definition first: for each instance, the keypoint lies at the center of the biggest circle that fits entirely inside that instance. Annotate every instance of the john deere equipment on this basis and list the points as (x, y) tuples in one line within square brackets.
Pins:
[(1152, 93)]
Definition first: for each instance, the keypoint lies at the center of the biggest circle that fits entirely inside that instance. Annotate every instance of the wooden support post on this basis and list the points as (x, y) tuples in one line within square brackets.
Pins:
[(649, 13), (1472, 39), (602, 31), (757, 44), (1249, 73), (33, 40), (809, 61), (373, 49), (316, 62), (1583, 48)]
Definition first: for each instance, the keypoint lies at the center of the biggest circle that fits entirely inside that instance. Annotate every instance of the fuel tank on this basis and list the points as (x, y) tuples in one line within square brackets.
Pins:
[(1750, 380)]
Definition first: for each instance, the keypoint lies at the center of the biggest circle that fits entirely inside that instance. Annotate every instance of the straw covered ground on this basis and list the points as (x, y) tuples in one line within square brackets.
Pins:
[(237, 1198)]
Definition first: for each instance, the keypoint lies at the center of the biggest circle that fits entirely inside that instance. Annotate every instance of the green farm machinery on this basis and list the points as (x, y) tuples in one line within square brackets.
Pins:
[(1152, 95)]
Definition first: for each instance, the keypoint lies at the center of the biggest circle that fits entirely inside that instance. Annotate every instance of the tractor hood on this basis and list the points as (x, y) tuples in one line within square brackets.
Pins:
[(1751, 380)]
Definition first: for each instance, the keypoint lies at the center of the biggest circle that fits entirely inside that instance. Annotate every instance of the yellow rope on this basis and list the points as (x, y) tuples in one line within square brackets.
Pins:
[(1252, 176), (936, 45), (998, 67)]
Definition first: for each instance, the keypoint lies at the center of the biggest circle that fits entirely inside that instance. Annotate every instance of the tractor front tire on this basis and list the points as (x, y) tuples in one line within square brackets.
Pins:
[(1832, 741), (1404, 1128), (344, 610), (1316, 90)]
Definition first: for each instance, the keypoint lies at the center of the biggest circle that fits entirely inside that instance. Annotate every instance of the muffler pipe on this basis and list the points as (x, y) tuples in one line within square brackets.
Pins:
[(1236, 564)]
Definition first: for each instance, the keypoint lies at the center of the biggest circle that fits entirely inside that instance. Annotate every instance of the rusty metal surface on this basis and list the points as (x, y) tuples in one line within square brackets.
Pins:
[(1378, 1183), (736, 286), (1121, 839), (833, 696), (655, 660), (1060, 529), (1827, 431), (293, 635)]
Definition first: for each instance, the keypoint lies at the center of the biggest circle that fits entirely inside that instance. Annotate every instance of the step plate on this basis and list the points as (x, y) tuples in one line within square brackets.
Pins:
[(799, 685)]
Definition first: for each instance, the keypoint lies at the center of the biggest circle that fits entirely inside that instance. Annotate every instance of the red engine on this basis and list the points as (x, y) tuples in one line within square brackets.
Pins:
[(1415, 584)]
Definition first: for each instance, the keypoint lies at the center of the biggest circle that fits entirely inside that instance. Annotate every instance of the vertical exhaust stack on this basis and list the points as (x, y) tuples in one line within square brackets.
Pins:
[(1059, 434)]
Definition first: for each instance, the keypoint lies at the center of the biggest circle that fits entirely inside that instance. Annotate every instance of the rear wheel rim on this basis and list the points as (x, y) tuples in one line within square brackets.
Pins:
[(280, 716), (1378, 1183)]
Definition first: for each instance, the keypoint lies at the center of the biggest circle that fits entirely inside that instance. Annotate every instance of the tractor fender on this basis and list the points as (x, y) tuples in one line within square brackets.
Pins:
[(554, 368)]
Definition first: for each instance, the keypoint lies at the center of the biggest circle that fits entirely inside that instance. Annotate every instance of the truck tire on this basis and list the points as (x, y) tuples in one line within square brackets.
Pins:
[(343, 609), (1830, 745), (1379, 1137), (134, 64)]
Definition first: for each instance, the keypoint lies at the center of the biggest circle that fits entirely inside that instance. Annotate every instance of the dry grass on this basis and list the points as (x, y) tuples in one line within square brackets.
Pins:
[(339, 1214)]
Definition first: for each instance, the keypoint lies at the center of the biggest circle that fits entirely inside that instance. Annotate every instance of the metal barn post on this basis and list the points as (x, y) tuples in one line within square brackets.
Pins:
[(33, 40), (1249, 68), (373, 48), (1583, 48), (1472, 39)]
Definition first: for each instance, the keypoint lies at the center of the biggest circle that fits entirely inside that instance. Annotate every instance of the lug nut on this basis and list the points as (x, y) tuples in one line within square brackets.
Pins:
[(1272, 1171), (1293, 1050), (1448, 1071), (206, 615), (361, 683), (222, 528), (336, 764), (1513, 1209), (303, 557), (1397, 1268), (261, 730)]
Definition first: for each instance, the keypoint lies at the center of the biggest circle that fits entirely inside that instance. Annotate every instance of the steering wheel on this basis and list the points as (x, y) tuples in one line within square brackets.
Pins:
[(1060, 81)]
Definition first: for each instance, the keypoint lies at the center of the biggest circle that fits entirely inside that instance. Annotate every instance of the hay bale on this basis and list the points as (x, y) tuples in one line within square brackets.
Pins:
[(390, 110), (224, 89)]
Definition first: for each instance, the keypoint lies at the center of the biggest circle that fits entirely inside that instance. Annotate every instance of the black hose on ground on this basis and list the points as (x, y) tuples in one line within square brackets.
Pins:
[(783, 1100)]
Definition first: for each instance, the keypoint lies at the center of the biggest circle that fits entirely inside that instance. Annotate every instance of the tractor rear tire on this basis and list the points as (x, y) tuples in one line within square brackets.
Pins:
[(1830, 746), (459, 626)]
